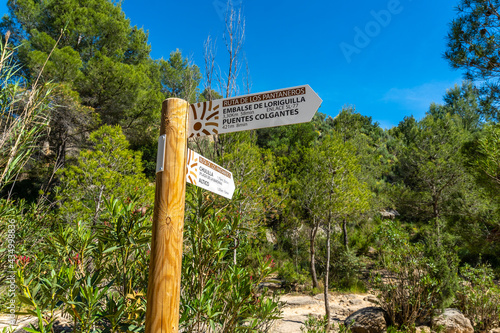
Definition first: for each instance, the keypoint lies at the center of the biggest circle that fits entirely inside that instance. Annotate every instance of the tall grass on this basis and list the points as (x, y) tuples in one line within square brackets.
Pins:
[(23, 115)]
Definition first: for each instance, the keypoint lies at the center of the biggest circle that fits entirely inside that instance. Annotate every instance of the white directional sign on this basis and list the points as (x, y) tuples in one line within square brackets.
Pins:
[(268, 109), (208, 175)]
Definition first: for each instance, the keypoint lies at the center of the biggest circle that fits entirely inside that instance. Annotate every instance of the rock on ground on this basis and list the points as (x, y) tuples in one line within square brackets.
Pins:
[(452, 321), (367, 320), (423, 329)]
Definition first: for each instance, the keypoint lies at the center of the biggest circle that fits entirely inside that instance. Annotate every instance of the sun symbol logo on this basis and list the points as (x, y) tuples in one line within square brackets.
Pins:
[(191, 170), (201, 123)]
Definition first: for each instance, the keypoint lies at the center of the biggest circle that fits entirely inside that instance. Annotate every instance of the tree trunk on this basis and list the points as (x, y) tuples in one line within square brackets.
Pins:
[(344, 230), (312, 239), (98, 206), (327, 302), (435, 208), (236, 244)]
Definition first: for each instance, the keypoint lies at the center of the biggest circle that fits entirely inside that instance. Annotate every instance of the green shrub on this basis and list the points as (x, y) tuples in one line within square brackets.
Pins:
[(346, 269), (443, 259), (388, 237), (479, 298), (108, 169), (291, 274), (217, 295), (98, 276), (421, 277), (314, 324), (409, 292)]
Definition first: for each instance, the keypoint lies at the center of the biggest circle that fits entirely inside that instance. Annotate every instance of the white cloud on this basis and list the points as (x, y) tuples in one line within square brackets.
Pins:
[(418, 99)]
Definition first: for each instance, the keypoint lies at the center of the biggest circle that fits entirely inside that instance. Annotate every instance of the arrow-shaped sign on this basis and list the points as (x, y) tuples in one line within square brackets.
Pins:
[(201, 171), (268, 109), (208, 175)]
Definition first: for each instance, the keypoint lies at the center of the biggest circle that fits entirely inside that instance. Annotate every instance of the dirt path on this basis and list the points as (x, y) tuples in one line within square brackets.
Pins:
[(295, 310), (298, 307)]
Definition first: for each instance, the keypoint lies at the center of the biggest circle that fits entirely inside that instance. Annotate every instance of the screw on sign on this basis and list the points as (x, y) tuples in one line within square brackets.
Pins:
[(268, 109)]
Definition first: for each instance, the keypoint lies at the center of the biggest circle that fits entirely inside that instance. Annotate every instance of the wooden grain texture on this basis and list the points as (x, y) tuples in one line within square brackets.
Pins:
[(162, 314)]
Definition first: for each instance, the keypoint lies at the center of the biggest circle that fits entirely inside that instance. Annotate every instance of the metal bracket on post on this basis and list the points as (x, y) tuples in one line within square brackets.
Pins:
[(160, 156)]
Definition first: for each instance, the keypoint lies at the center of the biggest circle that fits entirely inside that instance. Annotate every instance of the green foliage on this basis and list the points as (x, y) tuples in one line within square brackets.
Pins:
[(473, 42), (350, 124), (102, 58), (64, 64), (97, 283), (409, 293), (329, 182), (179, 77), (362, 234), (430, 166), (314, 324), (420, 277), (255, 175), (372, 151), (487, 161), (318, 324), (346, 270), (442, 256), (22, 219), (119, 91), (478, 297), (464, 102), (217, 295), (291, 274), (109, 169), (388, 237), (98, 274), (480, 228), (91, 26)]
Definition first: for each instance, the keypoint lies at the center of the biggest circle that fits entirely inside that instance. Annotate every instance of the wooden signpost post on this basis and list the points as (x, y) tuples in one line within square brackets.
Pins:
[(164, 283), (268, 109)]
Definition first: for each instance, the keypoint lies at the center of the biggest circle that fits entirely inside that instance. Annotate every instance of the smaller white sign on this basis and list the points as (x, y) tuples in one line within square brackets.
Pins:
[(208, 175)]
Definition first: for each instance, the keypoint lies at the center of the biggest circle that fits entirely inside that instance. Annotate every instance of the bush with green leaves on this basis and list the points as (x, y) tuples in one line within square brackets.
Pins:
[(218, 295), (390, 235), (291, 274), (108, 168), (98, 276), (314, 324), (346, 270), (414, 285), (20, 219), (478, 297), (409, 292)]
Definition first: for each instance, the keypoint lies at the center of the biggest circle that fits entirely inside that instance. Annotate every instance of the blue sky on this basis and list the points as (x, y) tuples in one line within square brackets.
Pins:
[(382, 56)]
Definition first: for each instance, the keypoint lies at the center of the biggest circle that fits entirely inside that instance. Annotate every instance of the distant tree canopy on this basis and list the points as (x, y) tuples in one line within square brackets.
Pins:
[(474, 40), (463, 101), (473, 44), (102, 58)]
